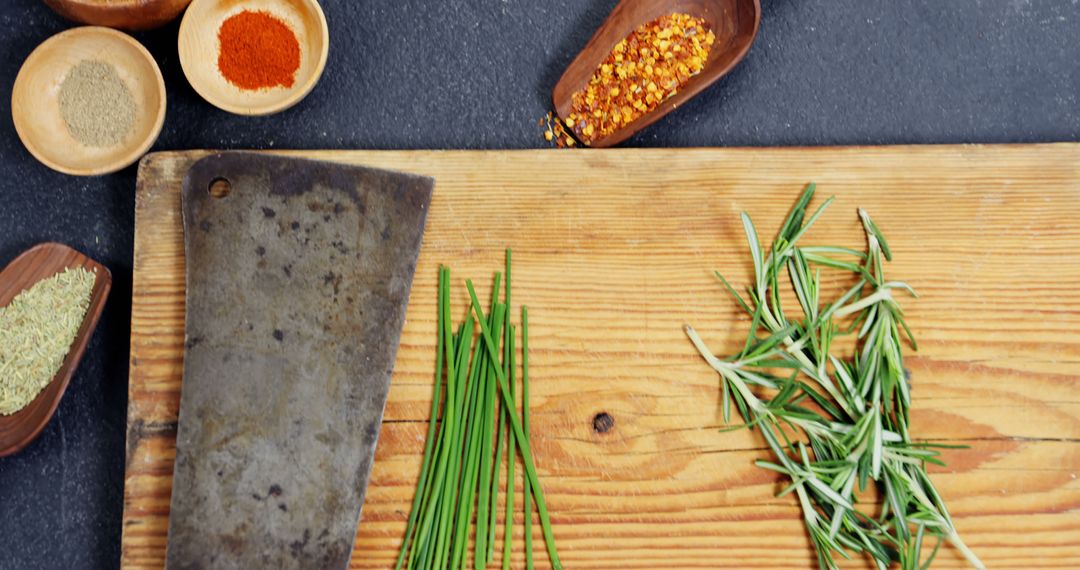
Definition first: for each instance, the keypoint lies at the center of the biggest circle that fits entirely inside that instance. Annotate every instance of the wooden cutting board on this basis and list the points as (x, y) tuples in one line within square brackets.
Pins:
[(613, 254)]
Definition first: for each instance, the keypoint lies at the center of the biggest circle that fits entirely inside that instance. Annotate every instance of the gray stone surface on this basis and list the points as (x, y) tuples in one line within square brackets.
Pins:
[(478, 74)]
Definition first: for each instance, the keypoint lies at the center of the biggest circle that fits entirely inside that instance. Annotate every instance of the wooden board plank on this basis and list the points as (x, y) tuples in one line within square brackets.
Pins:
[(613, 252)]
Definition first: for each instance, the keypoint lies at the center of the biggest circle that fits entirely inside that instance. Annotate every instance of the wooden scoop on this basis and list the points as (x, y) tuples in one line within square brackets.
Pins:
[(735, 23), (39, 262)]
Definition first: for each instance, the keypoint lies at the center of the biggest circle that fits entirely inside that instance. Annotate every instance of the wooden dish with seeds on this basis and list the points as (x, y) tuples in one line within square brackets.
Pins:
[(41, 262), (734, 24)]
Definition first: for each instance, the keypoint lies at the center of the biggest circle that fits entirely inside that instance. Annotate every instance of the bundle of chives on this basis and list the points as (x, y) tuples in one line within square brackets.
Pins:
[(459, 473)]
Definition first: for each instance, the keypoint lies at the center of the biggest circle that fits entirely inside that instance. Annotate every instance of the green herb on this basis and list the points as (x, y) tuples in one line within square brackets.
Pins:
[(477, 424), (525, 426), (486, 428), (509, 368), (526, 450), (852, 414), (36, 332), (458, 474), (508, 532)]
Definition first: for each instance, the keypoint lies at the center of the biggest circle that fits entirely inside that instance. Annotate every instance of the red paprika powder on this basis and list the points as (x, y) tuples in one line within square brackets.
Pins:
[(258, 51)]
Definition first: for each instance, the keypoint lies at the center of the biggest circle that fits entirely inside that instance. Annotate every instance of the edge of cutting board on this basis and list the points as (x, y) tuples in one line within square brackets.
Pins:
[(1009, 206)]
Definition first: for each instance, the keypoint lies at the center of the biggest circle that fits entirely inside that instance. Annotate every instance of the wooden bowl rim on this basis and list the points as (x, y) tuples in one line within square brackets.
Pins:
[(111, 5), (137, 151), (102, 284), (270, 108)]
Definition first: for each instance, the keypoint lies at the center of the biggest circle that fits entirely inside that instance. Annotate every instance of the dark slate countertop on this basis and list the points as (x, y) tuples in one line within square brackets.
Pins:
[(478, 74)]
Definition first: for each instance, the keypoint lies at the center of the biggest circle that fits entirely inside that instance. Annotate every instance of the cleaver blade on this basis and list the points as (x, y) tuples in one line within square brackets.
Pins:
[(298, 276)]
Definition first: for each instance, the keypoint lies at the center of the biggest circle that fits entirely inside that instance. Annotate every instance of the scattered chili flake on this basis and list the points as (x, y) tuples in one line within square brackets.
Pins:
[(641, 72), (556, 132)]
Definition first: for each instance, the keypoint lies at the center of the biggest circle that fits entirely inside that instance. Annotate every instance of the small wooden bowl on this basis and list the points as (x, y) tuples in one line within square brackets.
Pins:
[(199, 47), (39, 262), (735, 23), (35, 105), (125, 14)]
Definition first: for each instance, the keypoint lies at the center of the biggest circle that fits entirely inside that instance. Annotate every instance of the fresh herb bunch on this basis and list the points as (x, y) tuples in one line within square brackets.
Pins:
[(459, 474), (850, 415)]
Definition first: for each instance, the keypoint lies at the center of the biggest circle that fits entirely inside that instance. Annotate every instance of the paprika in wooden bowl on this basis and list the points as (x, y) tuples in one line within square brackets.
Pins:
[(253, 57)]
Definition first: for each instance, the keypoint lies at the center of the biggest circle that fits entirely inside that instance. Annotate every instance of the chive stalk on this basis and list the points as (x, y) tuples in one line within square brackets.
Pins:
[(473, 442), (485, 514), (500, 449), (515, 422), (450, 459), (508, 367), (453, 347), (426, 482), (473, 462), (458, 486), (508, 532), (525, 427)]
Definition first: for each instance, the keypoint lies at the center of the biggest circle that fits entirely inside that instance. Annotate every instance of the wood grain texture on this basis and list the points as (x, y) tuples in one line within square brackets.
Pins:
[(613, 254)]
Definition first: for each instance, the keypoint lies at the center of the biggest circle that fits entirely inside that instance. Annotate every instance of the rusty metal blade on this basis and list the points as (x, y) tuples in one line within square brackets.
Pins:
[(297, 283)]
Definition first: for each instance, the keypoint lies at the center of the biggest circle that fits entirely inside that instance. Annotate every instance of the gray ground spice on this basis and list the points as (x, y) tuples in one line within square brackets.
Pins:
[(96, 105)]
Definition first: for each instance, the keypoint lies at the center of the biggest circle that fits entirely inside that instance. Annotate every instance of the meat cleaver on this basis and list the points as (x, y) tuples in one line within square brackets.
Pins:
[(298, 275)]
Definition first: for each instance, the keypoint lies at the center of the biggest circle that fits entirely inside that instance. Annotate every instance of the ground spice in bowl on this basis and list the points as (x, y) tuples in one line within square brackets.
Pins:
[(96, 106), (641, 72), (36, 332), (258, 51)]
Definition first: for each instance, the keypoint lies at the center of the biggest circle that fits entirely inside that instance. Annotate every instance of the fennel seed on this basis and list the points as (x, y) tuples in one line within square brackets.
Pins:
[(36, 332)]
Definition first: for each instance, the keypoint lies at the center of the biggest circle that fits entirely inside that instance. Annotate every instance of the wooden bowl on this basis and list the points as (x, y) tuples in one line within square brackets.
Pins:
[(39, 262), (735, 23), (199, 47), (35, 106), (125, 14)]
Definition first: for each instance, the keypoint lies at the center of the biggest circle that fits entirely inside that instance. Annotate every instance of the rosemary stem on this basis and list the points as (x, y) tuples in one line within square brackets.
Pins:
[(878, 296), (855, 428), (954, 538)]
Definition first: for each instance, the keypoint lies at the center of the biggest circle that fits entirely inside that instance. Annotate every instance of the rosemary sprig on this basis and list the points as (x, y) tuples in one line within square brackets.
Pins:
[(850, 413)]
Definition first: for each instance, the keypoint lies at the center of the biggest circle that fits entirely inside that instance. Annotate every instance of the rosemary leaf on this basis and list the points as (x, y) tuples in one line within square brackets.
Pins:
[(854, 427)]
